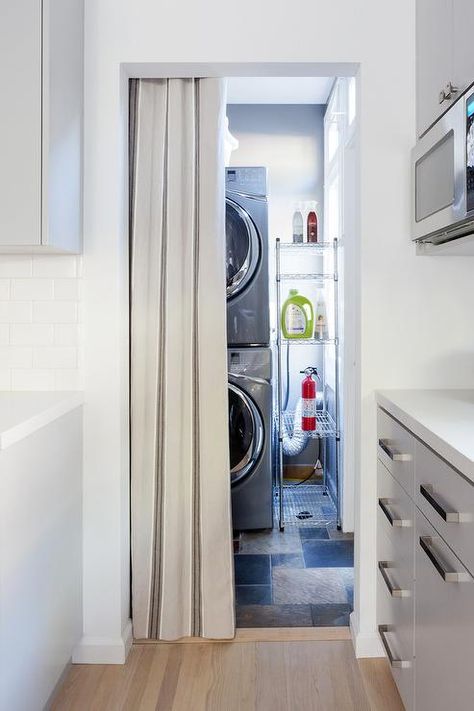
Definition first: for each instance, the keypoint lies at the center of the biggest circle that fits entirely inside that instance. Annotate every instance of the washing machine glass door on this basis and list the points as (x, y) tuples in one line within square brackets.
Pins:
[(242, 248), (246, 434)]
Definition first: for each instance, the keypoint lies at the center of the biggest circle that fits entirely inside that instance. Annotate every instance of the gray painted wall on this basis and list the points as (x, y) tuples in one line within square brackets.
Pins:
[(289, 141)]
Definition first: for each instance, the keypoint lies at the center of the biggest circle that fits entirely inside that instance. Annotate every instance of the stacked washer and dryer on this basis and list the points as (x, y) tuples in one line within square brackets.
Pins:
[(248, 348)]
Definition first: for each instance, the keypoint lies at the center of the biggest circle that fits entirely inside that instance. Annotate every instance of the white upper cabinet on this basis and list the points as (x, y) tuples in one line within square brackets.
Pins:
[(41, 84), (444, 56), (463, 50), (20, 122), (434, 21)]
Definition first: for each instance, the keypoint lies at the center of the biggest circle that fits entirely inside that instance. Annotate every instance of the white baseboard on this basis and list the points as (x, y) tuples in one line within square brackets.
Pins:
[(366, 644), (104, 650)]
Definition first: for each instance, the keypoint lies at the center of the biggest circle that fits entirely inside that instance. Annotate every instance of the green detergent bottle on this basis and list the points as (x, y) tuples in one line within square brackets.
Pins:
[(297, 316)]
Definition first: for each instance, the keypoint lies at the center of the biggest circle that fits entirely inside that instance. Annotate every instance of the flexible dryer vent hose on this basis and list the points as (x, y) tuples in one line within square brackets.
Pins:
[(295, 442)]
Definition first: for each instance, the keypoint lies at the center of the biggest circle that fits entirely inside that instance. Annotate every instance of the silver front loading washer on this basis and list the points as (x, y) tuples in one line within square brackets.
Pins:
[(250, 434), (248, 320)]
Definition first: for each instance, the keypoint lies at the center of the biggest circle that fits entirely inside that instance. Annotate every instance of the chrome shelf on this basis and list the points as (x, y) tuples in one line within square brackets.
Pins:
[(310, 341), (312, 277), (306, 505), (325, 425), (316, 247)]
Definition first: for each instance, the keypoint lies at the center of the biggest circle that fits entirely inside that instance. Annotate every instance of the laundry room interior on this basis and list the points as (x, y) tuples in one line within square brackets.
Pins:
[(291, 287)]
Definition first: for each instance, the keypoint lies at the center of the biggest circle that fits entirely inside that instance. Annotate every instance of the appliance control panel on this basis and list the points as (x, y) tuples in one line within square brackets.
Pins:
[(251, 180), (252, 361)]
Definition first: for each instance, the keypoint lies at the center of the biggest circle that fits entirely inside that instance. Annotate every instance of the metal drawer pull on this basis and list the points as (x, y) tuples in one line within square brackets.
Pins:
[(448, 574), (399, 522), (384, 565), (394, 662), (392, 453), (427, 491)]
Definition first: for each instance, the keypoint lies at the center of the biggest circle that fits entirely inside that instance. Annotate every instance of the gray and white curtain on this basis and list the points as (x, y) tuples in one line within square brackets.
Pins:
[(182, 572)]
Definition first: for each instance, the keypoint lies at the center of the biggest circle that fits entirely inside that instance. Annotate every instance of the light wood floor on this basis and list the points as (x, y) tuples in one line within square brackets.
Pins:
[(245, 675)]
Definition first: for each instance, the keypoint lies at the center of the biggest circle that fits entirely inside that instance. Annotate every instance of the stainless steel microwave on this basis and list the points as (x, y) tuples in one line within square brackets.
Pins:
[(443, 176)]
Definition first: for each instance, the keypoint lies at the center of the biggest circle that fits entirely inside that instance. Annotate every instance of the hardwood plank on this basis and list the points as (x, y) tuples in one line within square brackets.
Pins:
[(307, 675), (292, 634), (265, 634), (379, 685)]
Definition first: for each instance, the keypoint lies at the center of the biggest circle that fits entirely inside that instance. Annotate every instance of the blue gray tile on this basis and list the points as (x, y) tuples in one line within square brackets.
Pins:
[(314, 532), (273, 616), (331, 615), (293, 586), (287, 560), (273, 541), (253, 595), (328, 554), (252, 569)]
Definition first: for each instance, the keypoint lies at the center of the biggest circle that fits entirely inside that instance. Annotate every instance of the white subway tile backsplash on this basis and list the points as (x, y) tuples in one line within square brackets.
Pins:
[(54, 266), (14, 265), (40, 333), (4, 289), (5, 379), (32, 379), (67, 334), (15, 357), (31, 289), (15, 312), (67, 289), (55, 312), (31, 334), (55, 357)]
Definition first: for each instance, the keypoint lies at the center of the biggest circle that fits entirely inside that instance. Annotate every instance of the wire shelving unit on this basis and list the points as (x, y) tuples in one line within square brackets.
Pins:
[(327, 423)]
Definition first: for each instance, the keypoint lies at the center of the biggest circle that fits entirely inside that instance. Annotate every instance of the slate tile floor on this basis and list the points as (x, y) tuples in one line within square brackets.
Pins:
[(302, 577)]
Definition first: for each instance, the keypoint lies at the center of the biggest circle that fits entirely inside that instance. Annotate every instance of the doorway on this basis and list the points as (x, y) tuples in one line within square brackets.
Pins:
[(292, 501)]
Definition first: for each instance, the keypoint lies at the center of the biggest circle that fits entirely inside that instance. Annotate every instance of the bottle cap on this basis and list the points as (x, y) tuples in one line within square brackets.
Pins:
[(293, 292)]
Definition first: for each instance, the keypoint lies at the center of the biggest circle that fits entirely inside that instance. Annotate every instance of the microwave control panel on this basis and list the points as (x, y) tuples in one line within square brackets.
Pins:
[(470, 153)]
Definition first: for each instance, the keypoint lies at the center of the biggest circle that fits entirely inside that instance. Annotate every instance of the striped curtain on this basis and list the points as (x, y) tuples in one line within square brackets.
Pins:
[(182, 571)]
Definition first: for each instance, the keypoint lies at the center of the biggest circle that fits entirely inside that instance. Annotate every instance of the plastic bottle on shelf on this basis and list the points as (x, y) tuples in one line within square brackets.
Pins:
[(298, 230), (297, 316), (312, 223), (321, 331)]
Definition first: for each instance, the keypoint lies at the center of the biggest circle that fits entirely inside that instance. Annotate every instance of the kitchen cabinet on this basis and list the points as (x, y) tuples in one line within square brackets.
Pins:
[(425, 562), (444, 56), (444, 614), (41, 83)]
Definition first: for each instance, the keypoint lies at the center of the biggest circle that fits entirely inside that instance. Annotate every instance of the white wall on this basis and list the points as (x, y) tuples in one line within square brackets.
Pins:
[(40, 561), (408, 303), (40, 323)]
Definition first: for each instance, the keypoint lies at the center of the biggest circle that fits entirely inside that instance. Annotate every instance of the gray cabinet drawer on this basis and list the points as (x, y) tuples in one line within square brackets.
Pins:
[(395, 614), (444, 635), (447, 500), (395, 509), (395, 584), (396, 448)]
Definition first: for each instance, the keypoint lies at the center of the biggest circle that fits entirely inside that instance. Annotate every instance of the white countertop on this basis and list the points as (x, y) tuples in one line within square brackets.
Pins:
[(22, 413), (443, 419)]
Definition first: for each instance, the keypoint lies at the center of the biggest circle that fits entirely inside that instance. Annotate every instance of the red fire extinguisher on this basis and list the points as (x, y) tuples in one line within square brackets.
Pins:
[(308, 396)]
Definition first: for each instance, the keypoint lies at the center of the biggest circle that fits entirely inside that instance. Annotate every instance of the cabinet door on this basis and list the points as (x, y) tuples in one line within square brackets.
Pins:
[(434, 47), (444, 643), (63, 28), (20, 122), (463, 55)]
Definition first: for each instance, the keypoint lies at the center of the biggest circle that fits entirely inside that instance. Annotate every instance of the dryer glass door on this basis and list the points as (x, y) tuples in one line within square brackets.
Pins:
[(245, 434), (242, 248)]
